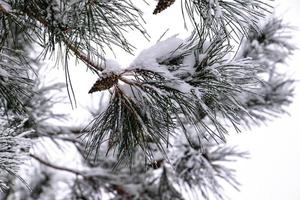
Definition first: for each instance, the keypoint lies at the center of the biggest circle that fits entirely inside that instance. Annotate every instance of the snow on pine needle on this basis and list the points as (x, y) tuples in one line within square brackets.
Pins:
[(228, 16), (13, 152), (14, 80), (204, 168), (172, 85), (272, 44), (270, 47)]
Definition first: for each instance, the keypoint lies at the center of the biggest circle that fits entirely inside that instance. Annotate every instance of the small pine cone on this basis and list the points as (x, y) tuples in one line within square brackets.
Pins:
[(162, 5), (104, 83)]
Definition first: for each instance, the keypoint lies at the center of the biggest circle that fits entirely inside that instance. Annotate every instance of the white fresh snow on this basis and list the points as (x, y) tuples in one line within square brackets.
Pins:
[(149, 59), (111, 66)]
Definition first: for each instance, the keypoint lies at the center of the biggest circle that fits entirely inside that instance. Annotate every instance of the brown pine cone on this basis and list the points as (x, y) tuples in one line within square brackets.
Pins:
[(104, 83), (162, 5)]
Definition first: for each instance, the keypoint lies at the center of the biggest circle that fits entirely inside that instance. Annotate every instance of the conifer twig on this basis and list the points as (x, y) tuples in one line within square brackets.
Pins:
[(93, 66), (73, 171)]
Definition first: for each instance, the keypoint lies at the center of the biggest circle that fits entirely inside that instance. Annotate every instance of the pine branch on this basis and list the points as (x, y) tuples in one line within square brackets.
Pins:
[(165, 110), (94, 26), (14, 81), (62, 33), (270, 100), (73, 171), (13, 151), (204, 169), (174, 84), (270, 47), (237, 17)]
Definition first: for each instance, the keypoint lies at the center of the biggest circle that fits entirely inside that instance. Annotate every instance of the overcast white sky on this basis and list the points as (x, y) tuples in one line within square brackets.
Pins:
[(273, 172)]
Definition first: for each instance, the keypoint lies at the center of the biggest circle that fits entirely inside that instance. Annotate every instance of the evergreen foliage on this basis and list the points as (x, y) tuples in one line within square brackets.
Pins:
[(161, 133)]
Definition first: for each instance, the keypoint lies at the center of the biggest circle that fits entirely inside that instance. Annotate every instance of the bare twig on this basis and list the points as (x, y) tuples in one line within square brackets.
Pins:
[(73, 171)]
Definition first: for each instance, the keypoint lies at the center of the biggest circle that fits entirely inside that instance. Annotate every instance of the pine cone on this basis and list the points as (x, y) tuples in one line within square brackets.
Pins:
[(162, 5), (104, 83)]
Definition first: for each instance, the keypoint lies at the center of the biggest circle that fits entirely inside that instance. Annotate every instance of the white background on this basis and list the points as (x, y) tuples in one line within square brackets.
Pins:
[(273, 172)]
